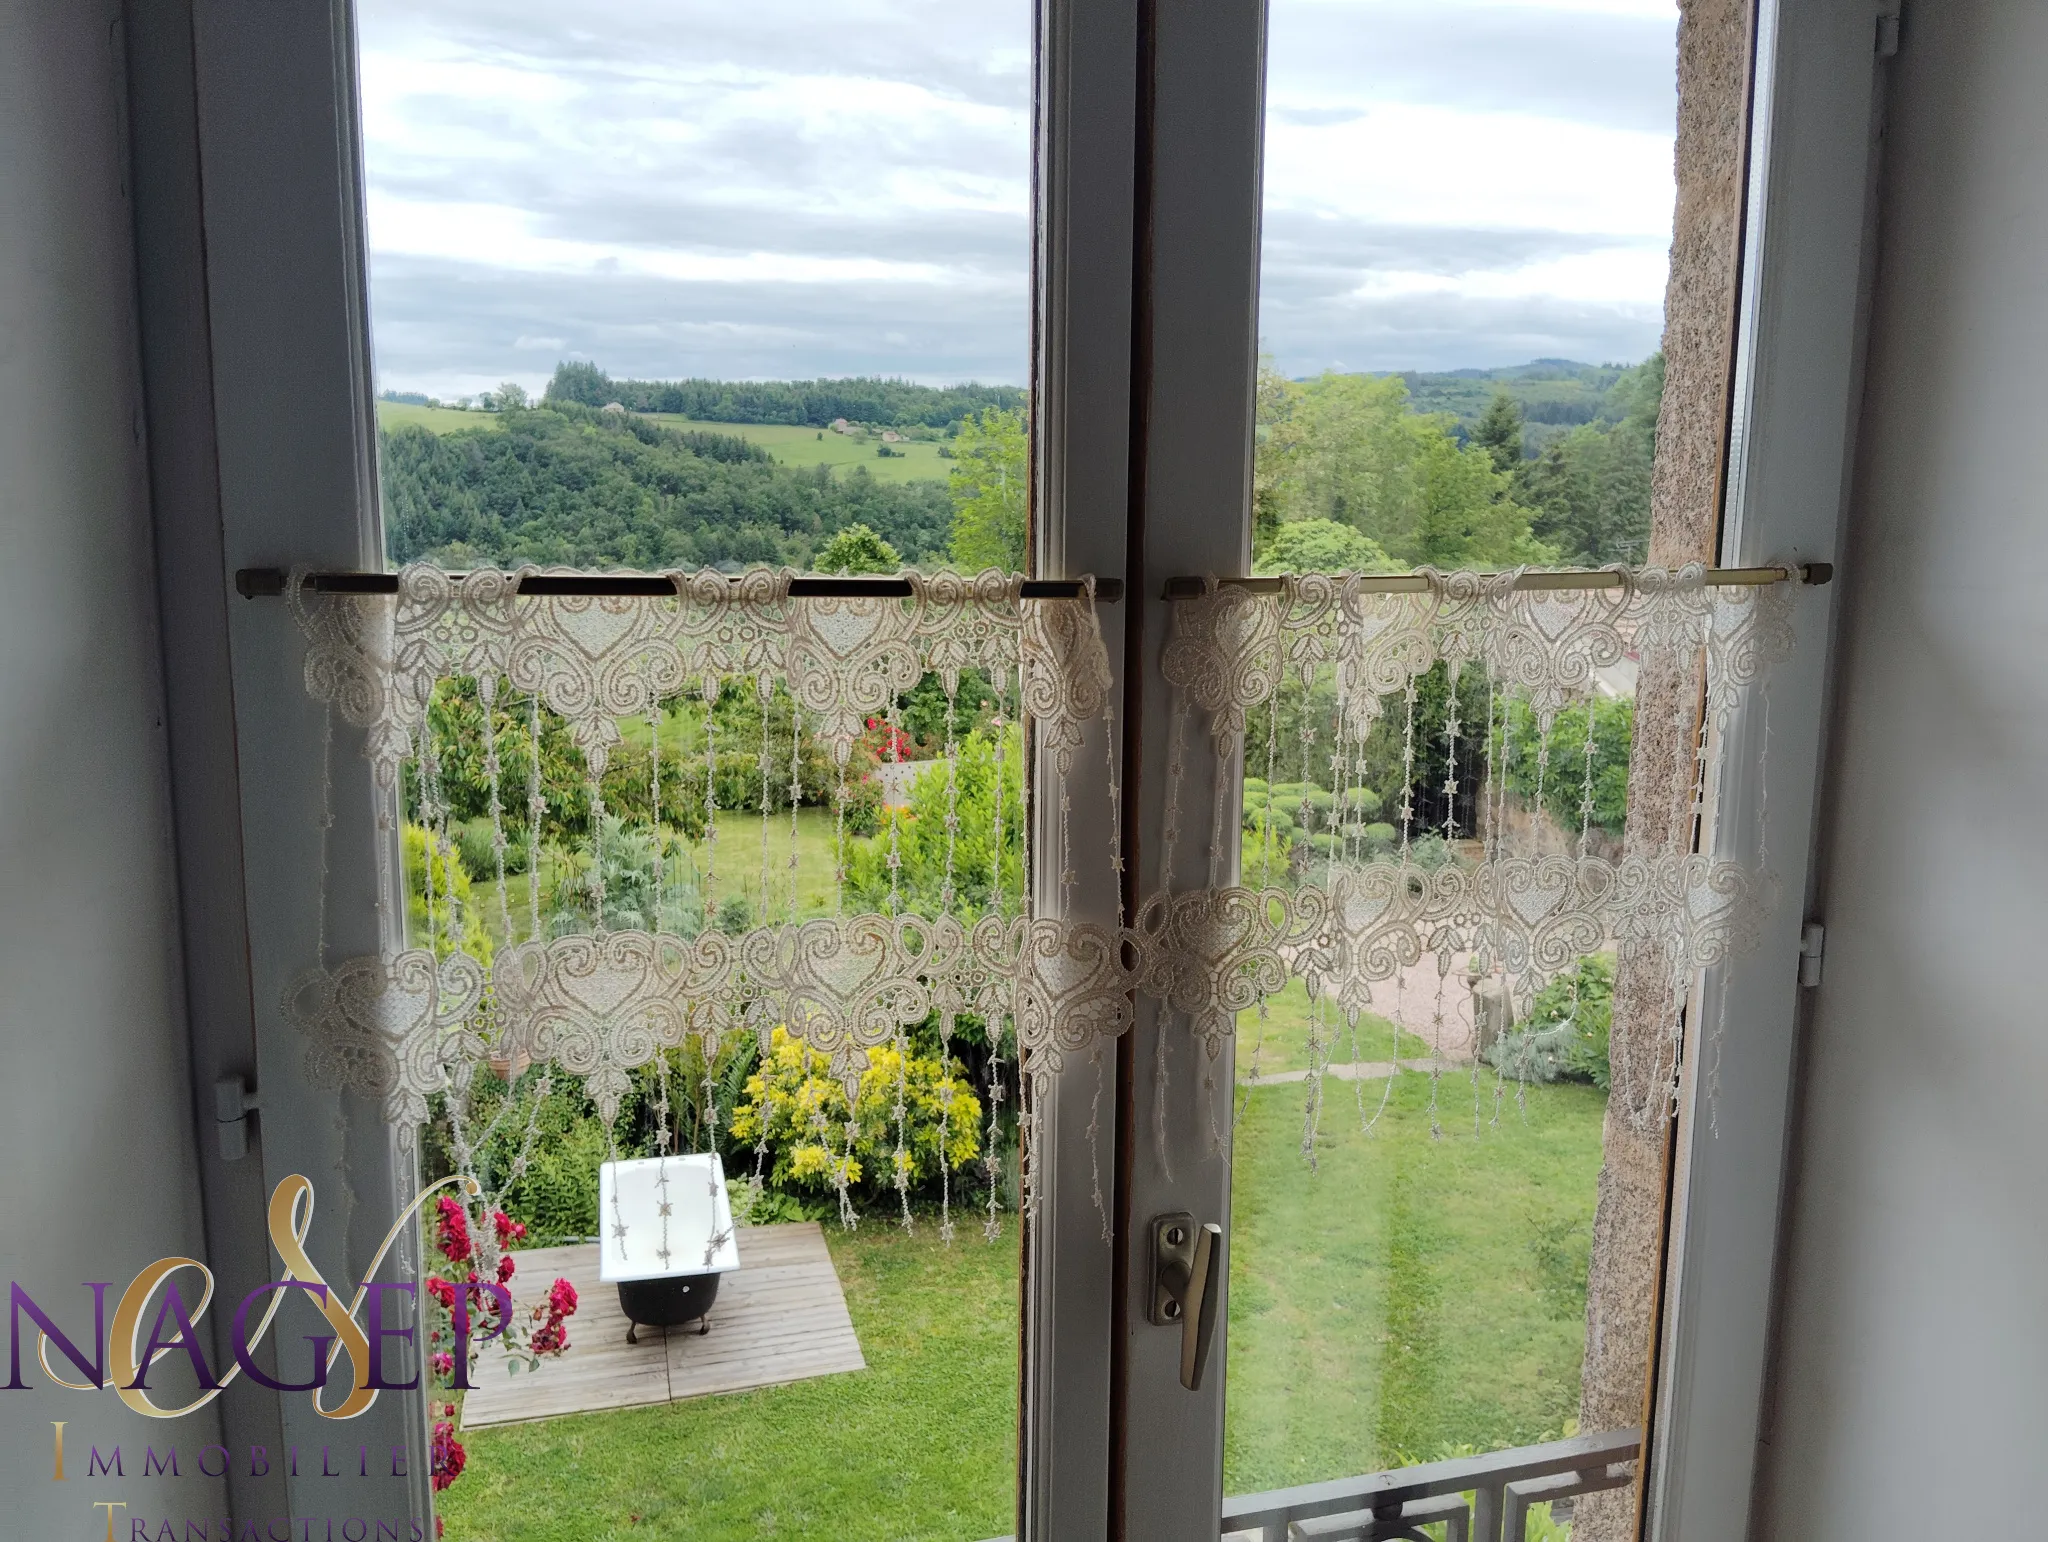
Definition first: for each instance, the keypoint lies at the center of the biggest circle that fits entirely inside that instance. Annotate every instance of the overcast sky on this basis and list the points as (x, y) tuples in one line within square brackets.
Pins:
[(788, 188)]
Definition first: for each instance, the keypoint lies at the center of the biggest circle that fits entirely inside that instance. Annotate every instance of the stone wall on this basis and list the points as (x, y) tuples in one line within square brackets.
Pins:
[(1699, 325)]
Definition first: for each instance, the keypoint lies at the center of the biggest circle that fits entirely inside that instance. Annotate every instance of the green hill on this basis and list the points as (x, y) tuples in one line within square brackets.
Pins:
[(560, 483)]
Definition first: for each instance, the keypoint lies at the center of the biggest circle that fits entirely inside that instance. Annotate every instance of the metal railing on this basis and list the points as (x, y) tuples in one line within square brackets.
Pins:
[(1475, 1498)]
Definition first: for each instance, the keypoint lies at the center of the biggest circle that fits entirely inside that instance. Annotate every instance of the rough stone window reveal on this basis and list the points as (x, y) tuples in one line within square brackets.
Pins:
[(597, 1002), (1418, 873)]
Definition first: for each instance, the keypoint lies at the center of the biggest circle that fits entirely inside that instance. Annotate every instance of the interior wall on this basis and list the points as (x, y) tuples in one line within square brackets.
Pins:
[(1910, 1386), (97, 1167)]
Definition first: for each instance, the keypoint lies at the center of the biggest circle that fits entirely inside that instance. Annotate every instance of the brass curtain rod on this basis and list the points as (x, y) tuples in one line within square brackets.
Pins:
[(1189, 587), (254, 583)]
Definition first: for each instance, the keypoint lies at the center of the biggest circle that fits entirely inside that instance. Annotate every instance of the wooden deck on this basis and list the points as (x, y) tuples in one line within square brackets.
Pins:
[(781, 1317)]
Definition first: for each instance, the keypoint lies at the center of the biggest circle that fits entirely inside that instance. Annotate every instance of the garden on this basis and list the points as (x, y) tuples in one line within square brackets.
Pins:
[(1417, 1292)]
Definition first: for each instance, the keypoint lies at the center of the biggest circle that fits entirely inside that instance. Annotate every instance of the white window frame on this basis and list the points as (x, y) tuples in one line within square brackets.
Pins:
[(1798, 385)]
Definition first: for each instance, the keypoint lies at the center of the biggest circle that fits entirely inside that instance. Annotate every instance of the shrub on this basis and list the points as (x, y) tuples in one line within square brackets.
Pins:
[(425, 927), (556, 1197), (476, 845), (1566, 1033), (803, 1107), (920, 831)]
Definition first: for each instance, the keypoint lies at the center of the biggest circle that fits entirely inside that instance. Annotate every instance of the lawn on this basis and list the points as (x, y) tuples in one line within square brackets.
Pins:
[(1281, 1043), (738, 872), (1412, 1297)]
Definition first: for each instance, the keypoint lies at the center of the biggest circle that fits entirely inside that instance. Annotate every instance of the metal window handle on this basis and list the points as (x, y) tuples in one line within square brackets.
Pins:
[(1186, 1264)]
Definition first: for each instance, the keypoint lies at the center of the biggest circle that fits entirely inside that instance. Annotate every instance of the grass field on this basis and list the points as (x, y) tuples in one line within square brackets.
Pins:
[(738, 870), (792, 446), (1412, 1297), (442, 420), (802, 446)]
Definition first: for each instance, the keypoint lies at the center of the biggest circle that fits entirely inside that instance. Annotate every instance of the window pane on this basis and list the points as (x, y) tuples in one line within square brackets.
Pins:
[(1467, 219), (680, 285)]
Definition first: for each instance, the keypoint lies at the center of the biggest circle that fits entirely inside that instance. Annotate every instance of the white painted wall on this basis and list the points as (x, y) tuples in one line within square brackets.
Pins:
[(97, 1167), (1910, 1389)]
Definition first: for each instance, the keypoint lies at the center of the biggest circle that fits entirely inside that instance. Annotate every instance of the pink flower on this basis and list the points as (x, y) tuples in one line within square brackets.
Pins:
[(448, 1456), (441, 1291), (505, 1268), (453, 1227), (550, 1338), (444, 1364), (509, 1230), (562, 1299)]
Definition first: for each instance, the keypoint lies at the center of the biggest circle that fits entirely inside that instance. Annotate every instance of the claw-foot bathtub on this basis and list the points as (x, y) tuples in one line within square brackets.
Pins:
[(667, 1237)]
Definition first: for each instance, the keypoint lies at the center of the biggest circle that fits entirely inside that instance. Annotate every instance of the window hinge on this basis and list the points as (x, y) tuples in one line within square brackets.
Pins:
[(1813, 942), (1887, 34), (233, 1102)]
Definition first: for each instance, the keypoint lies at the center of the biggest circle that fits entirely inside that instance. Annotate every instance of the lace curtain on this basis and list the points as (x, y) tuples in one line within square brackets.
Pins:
[(1465, 673), (598, 1001), (1488, 880)]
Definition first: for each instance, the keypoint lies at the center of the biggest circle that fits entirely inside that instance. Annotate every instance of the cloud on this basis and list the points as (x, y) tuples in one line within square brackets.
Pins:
[(785, 188), (637, 326)]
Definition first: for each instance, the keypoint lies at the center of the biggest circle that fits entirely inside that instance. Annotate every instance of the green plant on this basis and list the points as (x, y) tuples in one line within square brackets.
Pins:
[(447, 915), (1558, 764), (772, 1207), (916, 834), (1565, 1035), (801, 1107)]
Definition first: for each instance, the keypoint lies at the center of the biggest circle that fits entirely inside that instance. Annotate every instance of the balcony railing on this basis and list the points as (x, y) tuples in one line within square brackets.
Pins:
[(1475, 1499)]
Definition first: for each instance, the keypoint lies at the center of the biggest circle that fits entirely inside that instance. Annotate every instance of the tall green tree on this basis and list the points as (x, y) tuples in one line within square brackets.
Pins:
[(1348, 449), (1499, 432), (990, 484), (1589, 492)]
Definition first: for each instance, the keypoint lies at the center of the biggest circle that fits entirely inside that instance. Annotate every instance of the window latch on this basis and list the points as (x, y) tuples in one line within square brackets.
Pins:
[(1813, 941), (1187, 1273)]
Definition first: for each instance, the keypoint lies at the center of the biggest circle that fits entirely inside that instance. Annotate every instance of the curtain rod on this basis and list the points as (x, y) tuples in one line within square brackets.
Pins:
[(1189, 587), (254, 583)]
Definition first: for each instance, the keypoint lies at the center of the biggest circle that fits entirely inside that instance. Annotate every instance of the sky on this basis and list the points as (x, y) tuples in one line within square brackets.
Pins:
[(786, 189)]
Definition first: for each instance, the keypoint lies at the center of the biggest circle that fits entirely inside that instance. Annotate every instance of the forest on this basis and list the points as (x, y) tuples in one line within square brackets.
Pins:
[(870, 399), (1349, 473), (560, 483)]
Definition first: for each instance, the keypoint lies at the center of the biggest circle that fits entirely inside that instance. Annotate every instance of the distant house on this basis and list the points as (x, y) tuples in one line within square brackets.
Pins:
[(619, 407), (840, 426)]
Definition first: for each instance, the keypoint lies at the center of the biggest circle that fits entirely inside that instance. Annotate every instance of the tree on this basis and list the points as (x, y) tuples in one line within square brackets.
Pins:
[(509, 397), (989, 487), (1464, 517), (1499, 432), (1348, 449), (1323, 546), (857, 549), (1589, 492)]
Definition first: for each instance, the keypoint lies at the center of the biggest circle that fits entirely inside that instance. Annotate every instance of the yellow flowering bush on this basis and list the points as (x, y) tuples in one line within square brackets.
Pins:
[(794, 1096)]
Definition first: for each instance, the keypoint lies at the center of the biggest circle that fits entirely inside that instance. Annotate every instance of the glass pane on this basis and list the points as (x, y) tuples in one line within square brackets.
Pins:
[(677, 286), (1468, 212)]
